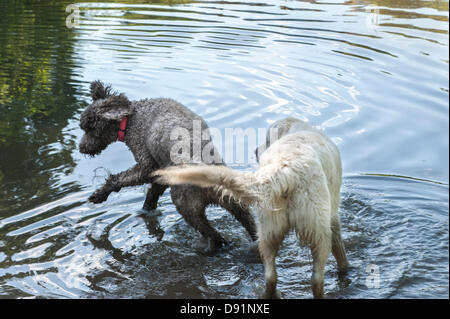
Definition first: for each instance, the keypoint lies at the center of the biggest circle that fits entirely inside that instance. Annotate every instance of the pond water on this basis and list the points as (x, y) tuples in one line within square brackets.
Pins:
[(373, 74)]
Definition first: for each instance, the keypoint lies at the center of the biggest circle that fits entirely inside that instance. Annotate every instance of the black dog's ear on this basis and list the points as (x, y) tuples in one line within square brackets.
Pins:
[(115, 108), (99, 90)]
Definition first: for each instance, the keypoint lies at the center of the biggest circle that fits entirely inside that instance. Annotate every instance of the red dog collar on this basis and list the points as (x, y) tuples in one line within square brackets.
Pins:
[(122, 128)]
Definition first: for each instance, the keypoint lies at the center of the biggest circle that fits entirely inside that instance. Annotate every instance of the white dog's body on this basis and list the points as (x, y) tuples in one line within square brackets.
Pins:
[(296, 187)]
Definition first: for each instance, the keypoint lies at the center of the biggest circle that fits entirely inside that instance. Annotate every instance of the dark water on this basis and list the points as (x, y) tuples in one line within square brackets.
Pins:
[(373, 74)]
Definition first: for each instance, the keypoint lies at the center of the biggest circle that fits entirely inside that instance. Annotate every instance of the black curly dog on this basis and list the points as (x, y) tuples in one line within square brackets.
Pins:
[(147, 133)]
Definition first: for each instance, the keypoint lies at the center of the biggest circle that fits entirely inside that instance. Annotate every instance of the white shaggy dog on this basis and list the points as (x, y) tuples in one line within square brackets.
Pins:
[(296, 187)]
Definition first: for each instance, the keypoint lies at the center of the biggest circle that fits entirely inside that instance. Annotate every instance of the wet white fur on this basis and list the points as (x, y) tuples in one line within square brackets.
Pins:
[(296, 187)]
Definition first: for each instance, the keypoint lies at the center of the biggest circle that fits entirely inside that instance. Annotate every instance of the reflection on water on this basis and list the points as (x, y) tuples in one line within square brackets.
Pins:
[(373, 74), (37, 98)]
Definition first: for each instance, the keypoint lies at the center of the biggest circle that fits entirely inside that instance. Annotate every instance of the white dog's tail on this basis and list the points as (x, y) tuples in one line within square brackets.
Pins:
[(268, 187), (239, 185)]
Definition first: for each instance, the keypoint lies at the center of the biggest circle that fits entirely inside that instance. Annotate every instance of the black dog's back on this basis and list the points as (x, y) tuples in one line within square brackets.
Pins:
[(164, 125)]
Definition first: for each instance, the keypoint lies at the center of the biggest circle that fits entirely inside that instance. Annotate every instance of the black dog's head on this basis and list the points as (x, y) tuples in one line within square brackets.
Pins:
[(100, 121)]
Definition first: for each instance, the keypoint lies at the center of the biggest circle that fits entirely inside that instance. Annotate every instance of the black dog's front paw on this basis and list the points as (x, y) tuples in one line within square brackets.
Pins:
[(98, 197)]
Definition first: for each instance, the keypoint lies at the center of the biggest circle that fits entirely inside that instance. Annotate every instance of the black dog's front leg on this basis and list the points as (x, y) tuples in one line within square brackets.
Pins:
[(132, 177)]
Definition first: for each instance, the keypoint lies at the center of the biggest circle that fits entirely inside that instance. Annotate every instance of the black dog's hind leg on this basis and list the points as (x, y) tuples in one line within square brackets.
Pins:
[(153, 194), (191, 203), (242, 214)]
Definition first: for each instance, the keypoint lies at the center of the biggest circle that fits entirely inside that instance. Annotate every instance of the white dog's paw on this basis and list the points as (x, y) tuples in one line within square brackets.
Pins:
[(276, 294)]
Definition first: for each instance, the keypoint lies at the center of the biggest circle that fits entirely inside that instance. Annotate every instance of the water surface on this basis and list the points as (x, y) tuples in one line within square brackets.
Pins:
[(374, 75)]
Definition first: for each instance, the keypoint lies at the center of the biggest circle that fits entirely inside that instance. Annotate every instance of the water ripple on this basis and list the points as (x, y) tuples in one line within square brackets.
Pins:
[(374, 76)]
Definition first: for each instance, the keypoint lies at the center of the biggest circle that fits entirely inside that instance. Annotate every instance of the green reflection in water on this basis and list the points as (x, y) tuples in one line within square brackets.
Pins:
[(37, 99), (404, 4)]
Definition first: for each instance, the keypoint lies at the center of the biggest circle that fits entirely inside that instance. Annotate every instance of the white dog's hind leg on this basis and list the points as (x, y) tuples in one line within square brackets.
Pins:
[(320, 252), (271, 232), (268, 251), (337, 247)]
